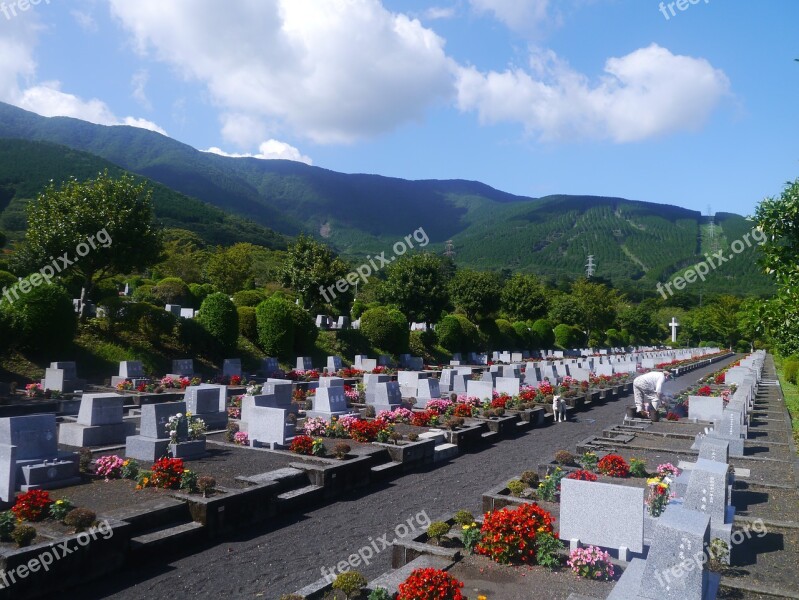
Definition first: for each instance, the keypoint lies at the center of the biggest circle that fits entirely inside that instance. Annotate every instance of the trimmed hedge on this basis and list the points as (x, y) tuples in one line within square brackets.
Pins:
[(248, 324), (43, 318), (275, 326), (218, 316), (386, 329)]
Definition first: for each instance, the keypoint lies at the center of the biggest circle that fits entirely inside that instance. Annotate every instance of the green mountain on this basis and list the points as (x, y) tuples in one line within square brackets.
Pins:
[(26, 168), (633, 243)]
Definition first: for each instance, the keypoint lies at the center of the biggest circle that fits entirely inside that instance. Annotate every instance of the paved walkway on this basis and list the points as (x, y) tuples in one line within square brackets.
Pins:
[(266, 562)]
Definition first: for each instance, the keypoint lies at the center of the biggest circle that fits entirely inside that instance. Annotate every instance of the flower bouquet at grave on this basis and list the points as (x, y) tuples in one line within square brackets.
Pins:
[(591, 563), (705, 390), (109, 467), (500, 400), (463, 410), (613, 465), (32, 505), (241, 438), (315, 426), (546, 389), (169, 383), (194, 427), (582, 475), (398, 415), (167, 473), (425, 418), (657, 496), (234, 410), (509, 535), (305, 444), (439, 406), (34, 390), (351, 394), (253, 389), (125, 386), (348, 373), (430, 584)]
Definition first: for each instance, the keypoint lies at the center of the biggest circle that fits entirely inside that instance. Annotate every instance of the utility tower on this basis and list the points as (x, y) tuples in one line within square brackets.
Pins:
[(712, 238), (590, 267), (449, 249)]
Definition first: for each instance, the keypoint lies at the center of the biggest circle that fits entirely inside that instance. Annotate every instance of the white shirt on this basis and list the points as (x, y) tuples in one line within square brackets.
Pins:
[(651, 382)]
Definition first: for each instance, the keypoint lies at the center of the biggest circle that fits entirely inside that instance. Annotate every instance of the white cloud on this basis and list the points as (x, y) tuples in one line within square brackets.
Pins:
[(522, 16), (85, 20), (142, 124), (645, 94), (439, 12), (139, 82), (269, 150), (48, 100), (332, 71)]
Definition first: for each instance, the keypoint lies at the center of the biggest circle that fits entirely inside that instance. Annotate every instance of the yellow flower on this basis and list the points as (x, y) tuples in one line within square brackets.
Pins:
[(652, 481), (481, 598)]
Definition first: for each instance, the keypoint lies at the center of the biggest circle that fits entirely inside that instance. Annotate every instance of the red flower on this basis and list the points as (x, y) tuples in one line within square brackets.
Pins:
[(430, 584), (167, 473), (508, 535), (705, 390), (582, 475), (302, 444), (32, 505), (613, 465)]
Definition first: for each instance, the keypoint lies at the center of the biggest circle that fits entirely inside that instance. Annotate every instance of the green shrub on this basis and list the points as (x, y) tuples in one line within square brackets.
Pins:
[(379, 594), (437, 530), (218, 316), (44, 318), (637, 468), (350, 583), (790, 369), (516, 487), (530, 478), (275, 326), (507, 335), (568, 336), (547, 550), (23, 535), (8, 522), (524, 337), (450, 333), (144, 293), (80, 519), (251, 298), (61, 508), (6, 279), (248, 324), (544, 334), (200, 291), (171, 290), (463, 517), (305, 330), (564, 457), (386, 329)]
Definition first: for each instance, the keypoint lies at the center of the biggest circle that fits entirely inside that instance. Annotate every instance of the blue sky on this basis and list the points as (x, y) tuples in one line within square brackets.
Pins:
[(534, 97)]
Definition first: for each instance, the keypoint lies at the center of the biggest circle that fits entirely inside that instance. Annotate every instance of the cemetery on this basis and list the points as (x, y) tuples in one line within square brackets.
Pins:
[(190, 461)]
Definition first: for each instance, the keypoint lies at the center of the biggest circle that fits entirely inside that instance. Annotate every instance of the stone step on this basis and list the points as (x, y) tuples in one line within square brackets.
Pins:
[(301, 496), (149, 515), (390, 581), (387, 470), (444, 452), (490, 436), (434, 434), (177, 536)]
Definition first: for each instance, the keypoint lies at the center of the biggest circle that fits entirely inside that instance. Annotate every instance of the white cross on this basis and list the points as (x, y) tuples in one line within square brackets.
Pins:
[(674, 324)]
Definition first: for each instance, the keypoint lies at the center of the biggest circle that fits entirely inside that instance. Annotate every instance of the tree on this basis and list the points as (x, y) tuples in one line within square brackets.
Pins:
[(597, 304), (43, 319), (386, 329), (219, 317), (275, 326), (476, 293), (724, 319), (229, 270), (524, 298), (94, 229), (313, 272), (417, 285), (543, 333), (639, 322), (184, 256), (778, 231), (563, 308)]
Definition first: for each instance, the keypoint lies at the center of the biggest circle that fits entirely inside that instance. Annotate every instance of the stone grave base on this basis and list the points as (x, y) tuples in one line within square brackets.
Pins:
[(628, 587), (79, 436), (144, 448), (190, 450), (38, 475)]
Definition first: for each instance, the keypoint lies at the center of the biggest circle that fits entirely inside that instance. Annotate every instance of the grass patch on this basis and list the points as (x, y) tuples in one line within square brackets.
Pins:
[(791, 393)]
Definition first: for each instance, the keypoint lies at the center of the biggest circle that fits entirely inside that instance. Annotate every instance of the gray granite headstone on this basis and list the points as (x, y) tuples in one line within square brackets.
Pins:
[(387, 396), (484, 390), (508, 385), (328, 402), (269, 366), (334, 364), (100, 422), (154, 418), (715, 449), (331, 382), (370, 382), (281, 388), (231, 367), (587, 508), (183, 367), (131, 369), (426, 390), (269, 427), (705, 408), (304, 363)]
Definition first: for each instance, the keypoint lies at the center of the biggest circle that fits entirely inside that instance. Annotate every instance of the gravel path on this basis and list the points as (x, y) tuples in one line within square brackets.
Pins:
[(280, 558)]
